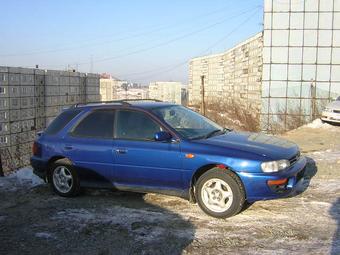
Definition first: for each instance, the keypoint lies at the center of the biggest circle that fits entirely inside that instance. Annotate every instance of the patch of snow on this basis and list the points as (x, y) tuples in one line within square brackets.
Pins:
[(45, 235), (318, 124), (125, 217), (24, 177), (327, 155)]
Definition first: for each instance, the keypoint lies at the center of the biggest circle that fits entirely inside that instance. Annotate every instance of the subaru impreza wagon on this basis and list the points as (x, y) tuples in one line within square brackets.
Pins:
[(150, 146)]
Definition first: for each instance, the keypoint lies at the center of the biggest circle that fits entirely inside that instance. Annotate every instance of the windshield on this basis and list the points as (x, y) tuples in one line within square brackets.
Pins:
[(188, 123)]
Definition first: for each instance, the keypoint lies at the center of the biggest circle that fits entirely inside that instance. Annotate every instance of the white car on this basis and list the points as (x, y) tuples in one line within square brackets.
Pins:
[(332, 112)]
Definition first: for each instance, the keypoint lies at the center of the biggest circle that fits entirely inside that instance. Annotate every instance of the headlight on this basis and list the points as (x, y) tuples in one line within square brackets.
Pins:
[(328, 110), (274, 166)]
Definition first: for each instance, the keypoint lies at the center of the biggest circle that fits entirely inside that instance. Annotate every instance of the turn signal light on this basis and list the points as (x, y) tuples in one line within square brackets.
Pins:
[(36, 149), (277, 182)]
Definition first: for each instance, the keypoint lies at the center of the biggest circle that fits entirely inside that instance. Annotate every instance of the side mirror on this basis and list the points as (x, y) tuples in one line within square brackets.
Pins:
[(162, 136)]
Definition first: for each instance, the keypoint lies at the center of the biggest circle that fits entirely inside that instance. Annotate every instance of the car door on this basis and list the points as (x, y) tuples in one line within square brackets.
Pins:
[(141, 161), (89, 145)]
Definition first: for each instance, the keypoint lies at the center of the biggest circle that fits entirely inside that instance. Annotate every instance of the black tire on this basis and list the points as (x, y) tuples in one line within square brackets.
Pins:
[(74, 186), (235, 186)]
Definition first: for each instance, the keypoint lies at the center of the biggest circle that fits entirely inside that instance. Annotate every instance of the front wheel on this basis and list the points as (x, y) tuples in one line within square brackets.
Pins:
[(220, 193)]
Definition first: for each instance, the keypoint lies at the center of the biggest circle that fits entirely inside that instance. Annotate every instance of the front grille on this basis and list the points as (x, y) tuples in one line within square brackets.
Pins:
[(336, 111), (293, 160)]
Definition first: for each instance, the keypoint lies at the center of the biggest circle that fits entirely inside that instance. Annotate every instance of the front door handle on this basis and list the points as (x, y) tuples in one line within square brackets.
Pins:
[(121, 151)]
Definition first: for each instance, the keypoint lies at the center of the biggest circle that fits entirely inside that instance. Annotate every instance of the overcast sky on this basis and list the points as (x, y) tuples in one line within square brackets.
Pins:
[(141, 41)]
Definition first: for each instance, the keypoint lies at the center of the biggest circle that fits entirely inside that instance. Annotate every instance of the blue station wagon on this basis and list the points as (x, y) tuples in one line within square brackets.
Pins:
[(151, 146)]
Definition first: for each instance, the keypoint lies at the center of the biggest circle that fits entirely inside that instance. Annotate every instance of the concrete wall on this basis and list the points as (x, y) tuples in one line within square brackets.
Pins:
[(232, 77), (301, 61), (29, 100)]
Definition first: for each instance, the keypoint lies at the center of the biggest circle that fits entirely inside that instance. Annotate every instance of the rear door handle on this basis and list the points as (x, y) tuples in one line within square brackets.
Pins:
[(121, 151)]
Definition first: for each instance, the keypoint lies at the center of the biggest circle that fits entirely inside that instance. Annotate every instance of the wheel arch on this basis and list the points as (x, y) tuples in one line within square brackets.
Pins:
[(51, 161), (203, 169)]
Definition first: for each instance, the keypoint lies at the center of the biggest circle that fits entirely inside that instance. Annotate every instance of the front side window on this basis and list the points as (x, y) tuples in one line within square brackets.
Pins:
[(188, 123), (98, 124), (133, 125)]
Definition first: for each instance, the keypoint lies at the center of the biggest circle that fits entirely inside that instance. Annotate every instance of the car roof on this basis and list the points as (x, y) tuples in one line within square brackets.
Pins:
[(143, 104)]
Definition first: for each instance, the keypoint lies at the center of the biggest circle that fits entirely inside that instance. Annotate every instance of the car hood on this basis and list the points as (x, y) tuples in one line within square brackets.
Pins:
[(270, 147), (334, 105)]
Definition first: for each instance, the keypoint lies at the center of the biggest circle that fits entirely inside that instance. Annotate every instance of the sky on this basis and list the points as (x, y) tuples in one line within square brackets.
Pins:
[(135, 40)]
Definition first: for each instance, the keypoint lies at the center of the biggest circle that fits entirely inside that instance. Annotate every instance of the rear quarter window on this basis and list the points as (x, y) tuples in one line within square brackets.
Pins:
[(61, 121)]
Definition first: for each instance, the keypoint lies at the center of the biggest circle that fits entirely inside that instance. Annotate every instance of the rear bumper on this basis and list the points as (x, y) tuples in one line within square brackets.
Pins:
[(39, 167), (257, 188)]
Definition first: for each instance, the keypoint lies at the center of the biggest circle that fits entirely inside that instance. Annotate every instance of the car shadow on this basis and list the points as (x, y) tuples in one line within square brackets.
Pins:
[(96, 222), (334, 211)]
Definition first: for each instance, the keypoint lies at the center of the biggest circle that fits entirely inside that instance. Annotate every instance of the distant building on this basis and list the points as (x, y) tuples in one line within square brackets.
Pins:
[(166, 91), (108, 87)]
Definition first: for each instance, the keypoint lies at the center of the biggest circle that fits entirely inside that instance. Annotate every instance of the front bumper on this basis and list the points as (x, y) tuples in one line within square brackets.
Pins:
[(256, 184), (39, 167), (331, 117)]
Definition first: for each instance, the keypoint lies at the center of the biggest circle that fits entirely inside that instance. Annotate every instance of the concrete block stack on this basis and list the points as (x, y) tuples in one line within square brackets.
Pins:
[(29, 100)]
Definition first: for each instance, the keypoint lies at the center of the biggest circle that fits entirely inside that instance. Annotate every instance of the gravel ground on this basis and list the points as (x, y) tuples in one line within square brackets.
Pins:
[(35, 221)]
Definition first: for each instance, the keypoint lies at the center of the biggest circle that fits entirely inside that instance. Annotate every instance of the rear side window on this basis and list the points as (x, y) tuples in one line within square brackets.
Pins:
[(61, 121), (98, 124), (134, 125)]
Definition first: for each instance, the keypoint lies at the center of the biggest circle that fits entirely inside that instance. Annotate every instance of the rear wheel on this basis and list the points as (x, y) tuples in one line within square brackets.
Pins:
[(63, 178), (220, 193)]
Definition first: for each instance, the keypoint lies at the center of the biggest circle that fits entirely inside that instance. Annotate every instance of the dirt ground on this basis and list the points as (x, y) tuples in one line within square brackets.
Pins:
[(35, 221)]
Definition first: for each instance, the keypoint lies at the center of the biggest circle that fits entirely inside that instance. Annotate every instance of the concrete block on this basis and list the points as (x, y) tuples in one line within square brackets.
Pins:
[(51, 111), (3, 79), (4, 91), (3, 69), (4, 103), (27, 114), (14, 103), (14, 70), (4, 128), (14, 79), (64, 80), (52, 80), (26, 70), (52, 101), (52, 90), (4, 141), (27, 79), (4, 115), (74, 81)]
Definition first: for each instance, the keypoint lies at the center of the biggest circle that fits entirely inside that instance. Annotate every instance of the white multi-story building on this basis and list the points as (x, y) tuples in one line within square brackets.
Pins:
[(167, 91), (108, 88)]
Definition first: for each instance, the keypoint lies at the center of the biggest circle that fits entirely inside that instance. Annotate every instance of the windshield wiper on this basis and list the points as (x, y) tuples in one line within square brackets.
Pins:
[(213, 132)]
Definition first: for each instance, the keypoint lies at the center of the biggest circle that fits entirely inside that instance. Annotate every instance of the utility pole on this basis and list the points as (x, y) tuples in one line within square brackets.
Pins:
[(313, 96), (202, 95)]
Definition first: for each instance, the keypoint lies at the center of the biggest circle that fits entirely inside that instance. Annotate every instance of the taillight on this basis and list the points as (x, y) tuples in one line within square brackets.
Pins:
[(36, 149)]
